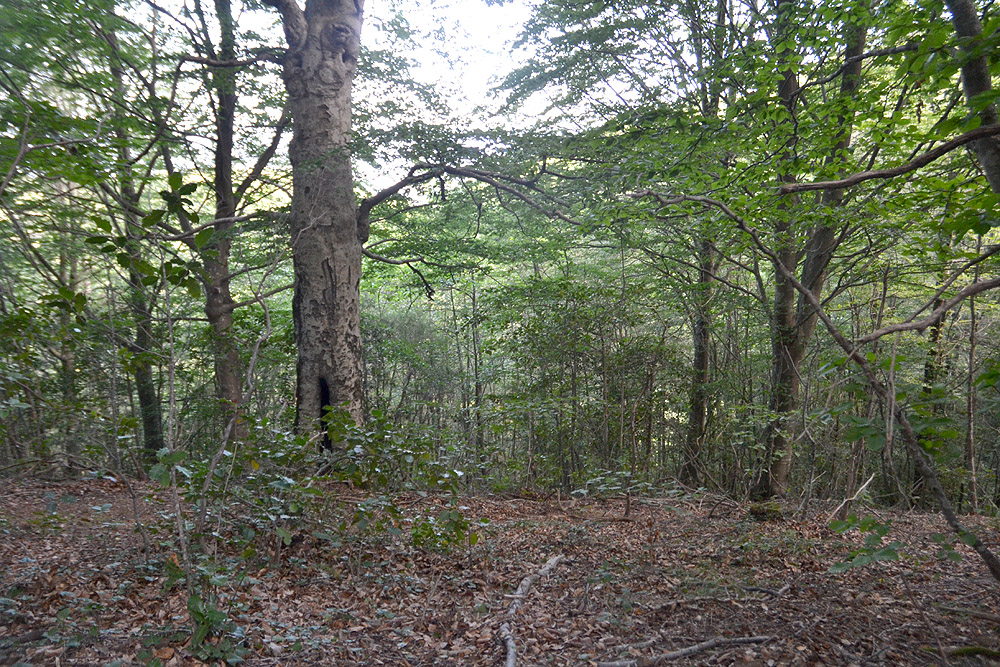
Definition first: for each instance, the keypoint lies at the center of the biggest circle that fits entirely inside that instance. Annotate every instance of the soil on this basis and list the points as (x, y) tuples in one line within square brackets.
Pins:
[(77, 588)]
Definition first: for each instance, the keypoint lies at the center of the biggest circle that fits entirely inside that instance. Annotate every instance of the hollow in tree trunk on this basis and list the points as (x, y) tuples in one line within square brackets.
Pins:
[(319, 66)]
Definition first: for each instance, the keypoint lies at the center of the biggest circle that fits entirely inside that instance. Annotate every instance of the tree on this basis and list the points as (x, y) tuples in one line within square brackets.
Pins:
[(326, 232)]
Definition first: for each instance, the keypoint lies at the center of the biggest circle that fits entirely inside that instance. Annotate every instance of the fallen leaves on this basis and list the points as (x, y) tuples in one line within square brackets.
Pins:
[(672, 578)]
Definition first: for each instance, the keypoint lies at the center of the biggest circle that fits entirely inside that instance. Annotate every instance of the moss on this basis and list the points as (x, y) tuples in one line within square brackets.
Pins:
[(766, 511), (963, 651)]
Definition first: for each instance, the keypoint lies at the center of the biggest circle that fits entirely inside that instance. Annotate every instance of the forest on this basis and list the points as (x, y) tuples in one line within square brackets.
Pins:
[(484, 332)]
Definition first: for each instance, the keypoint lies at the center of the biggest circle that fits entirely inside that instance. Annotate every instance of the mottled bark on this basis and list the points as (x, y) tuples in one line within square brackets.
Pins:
[(319, 66), (976, 82)]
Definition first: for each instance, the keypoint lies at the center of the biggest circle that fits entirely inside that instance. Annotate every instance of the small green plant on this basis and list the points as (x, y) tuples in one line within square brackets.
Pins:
[(874, 549), (214, 633), (449, 529), (946, 544)]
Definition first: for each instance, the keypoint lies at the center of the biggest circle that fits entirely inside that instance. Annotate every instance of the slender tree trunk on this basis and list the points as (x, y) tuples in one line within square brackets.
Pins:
[(142, 346), (319, 67), (215, 256), (970, 404), (701, 335), (793, 320)]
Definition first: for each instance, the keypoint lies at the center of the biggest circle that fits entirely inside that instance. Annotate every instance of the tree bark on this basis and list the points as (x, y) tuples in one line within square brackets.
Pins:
[(701, 335), (976, 81), (215, 256), (319, 66), (141, 347)]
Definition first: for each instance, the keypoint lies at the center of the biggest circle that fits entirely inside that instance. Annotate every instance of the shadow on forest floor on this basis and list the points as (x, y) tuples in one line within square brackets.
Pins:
[(73, 590)]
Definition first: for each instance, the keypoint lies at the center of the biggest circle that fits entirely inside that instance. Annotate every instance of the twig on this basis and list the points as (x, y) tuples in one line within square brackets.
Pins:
[(851, 499), (777, 593), (688, 651), (504, 634), (975, 613), (927, 620)]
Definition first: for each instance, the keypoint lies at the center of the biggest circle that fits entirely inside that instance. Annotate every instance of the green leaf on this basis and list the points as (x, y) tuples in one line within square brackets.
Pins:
[(172, 458), (160, 473), (838, 526), (193, 287), (204, 237), (175, 180), (153, 217)]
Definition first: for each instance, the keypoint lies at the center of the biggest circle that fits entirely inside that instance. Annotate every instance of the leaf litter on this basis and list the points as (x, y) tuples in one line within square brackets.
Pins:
[(676, 575)]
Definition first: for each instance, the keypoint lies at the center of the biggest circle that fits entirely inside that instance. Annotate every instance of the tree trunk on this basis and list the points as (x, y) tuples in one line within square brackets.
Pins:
[(976, 81), (794, 320), (215, 256), (319, 66), (141, 347), (701, 334)]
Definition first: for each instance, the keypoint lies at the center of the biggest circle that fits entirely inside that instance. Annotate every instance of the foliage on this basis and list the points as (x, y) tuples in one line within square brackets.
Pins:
[(874, 550)]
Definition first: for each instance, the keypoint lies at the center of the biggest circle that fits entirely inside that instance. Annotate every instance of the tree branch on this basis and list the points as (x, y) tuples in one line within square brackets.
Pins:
[(264, 56), (265, 157), (912, 165), (853, 59), (294, 20)]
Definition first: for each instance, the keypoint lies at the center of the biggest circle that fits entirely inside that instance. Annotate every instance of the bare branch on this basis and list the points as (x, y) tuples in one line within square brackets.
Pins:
[(936, 314), (257, 299), (265, 157), (366, 205), (188, 233), (853, 59), (270, 56), (294, 20), (386, 260), (506, 184)]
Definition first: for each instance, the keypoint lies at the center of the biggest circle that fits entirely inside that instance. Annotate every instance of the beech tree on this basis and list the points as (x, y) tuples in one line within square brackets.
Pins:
[(326, 232)]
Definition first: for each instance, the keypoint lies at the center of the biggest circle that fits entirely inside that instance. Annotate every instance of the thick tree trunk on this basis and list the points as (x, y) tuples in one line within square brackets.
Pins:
[(324, 42), (786, 358), (976, 81)]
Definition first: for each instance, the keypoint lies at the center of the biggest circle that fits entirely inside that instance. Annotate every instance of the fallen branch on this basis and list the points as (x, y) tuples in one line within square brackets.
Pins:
[(507, 639), (975, 613), (773, 592), (504, 634), (851, 499), (688, 651)]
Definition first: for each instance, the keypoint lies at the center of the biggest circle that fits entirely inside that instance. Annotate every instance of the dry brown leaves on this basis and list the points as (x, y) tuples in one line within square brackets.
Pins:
[(668, 577)]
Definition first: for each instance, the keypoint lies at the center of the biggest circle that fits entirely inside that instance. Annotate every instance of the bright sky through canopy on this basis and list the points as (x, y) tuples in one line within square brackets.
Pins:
[(468, 45)]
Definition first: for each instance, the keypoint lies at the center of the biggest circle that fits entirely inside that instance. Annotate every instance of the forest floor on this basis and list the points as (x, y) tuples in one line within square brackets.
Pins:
[(677, 572)]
